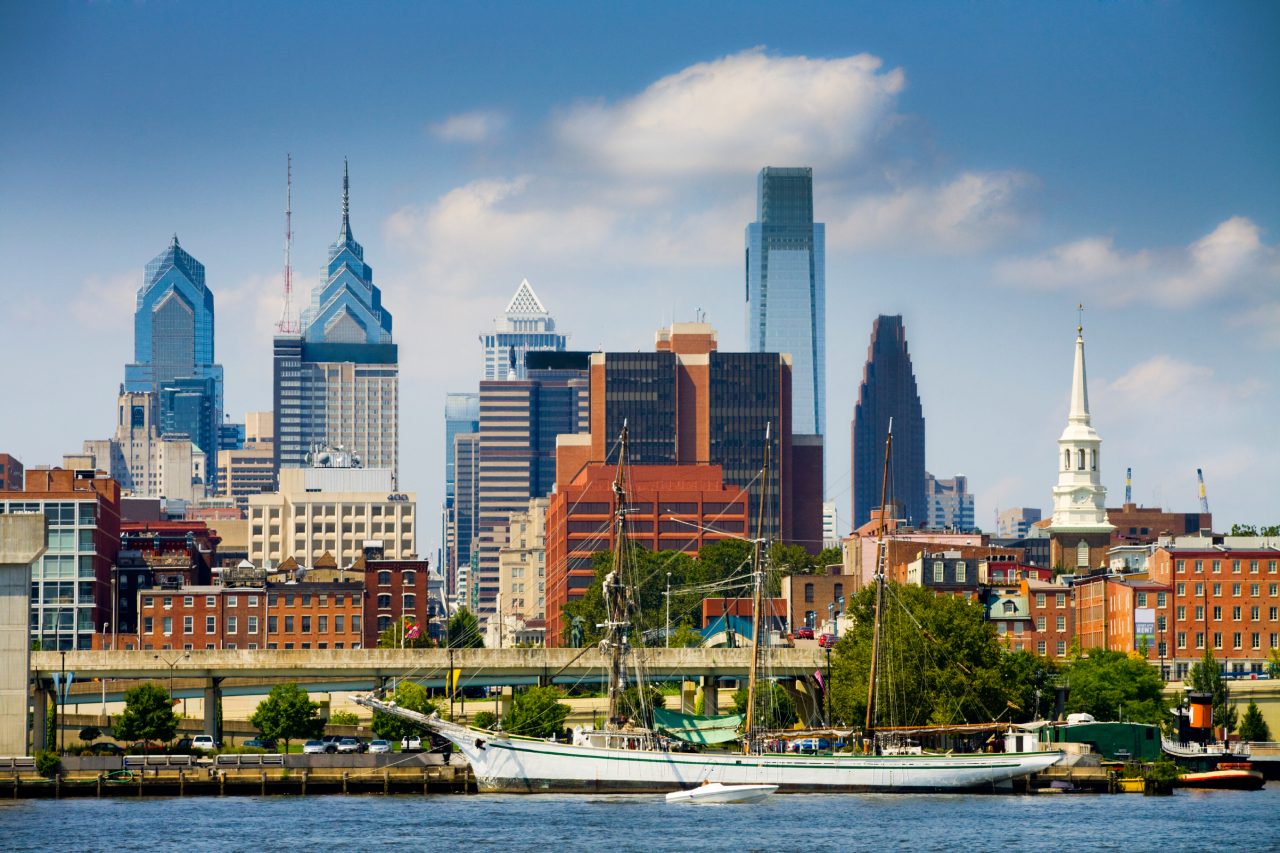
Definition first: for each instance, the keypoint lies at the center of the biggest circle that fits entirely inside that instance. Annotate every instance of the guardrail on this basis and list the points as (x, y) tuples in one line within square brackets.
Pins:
[(266, 759), (17, 763), (158, 761)]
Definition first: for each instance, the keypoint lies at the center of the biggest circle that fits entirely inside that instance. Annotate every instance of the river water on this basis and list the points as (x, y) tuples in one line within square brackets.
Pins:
[(1191, 821)]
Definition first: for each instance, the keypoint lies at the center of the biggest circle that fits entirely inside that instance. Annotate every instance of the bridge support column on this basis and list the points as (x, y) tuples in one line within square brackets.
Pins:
[(710, 695), (807, 699), (213, 709), (22, 540), (41, 696), (688, 697)]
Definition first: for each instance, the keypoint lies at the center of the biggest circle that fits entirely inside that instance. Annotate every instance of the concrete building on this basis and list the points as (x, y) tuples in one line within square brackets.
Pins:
[(672, 508), (525, 326), (950, 503), (70, 585), (1016, 523), (830, 525), (888, 392), (1079, 533), (522, 564), (338, 383), (334, 511), (143, 461), (250, 468), (23, 538), (786, 288)]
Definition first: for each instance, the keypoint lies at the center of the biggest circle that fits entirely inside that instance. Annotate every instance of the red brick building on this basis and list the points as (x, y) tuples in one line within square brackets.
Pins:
[(672, 508), (1051, 608), (10, 474)]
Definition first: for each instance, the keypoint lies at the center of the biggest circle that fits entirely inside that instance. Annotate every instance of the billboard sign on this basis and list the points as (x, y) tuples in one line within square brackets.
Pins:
[(1144, 627)]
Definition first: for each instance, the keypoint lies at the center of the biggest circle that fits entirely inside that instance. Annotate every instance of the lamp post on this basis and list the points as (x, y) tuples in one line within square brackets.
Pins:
[(171, 664), (668, 610), (827, 691)]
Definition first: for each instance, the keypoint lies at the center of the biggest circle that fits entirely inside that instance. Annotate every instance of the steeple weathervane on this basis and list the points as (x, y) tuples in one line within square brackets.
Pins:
[(1080, 319)]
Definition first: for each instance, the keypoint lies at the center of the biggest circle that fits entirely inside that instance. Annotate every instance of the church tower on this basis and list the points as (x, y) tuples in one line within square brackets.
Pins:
[(1079, 532)]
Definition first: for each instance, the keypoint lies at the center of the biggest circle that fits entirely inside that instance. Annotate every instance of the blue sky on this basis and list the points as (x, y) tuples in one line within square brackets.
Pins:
[(981, 167)]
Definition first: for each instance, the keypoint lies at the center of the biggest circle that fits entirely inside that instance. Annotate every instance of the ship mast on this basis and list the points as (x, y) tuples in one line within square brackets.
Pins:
[(757, 599), (869, 727), (615, 591)]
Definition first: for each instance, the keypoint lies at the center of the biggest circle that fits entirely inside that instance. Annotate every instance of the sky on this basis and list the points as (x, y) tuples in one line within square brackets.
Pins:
[(981, 168)]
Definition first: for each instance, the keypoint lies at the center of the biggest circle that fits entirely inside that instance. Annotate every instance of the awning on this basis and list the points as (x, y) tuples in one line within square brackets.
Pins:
[(692, 728)]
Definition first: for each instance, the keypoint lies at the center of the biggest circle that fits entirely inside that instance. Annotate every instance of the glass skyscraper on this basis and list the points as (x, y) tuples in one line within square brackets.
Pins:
[(786, 288), (526, 326), (888, 391), (173, 348), (337, 384)]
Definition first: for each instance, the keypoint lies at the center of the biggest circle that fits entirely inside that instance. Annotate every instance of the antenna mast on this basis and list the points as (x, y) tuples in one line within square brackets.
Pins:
[(287, 325)]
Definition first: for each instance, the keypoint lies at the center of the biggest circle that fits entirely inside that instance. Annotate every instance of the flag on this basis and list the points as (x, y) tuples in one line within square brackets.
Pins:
[(411, 633), (817, 674), (451, 681)]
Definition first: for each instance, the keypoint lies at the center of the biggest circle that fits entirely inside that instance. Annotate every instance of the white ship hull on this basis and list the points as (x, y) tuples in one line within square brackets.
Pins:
[(502, 763)]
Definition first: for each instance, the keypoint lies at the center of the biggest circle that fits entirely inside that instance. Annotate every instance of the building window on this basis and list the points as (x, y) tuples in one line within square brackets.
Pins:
[(1060, 624), (188, 624), (1255, 640), (1142, 599), (1040, 623), (1161, 599), (322, 624), (1199, 639), (148, 625), (808, 593), (1199, 567), (1237, 641), (1217, 639), (188, 601), (1181, 566), (1041, 647), (1066, 460), (355, 625), (1082, 555), (1161, 623), (288, 624), (232, 624), (384, 622), (410, 577), (411, 600), (306, 624), (384, 602), (1041, 599), (1182, 639), (1079, 460), (148, 601), (839, 593), (210, 601), (253, 601), (1217, 566), (1217, 590), (253, 624), (1060, 600), (939, 571), (1235, 613), (1199, 589), (1062, 648), (273, 624), (384, 578), (960, 571), (211, 624), (337, 624)]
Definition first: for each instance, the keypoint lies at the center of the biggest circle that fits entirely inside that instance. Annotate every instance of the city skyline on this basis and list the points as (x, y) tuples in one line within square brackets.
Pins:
[(983, 205)]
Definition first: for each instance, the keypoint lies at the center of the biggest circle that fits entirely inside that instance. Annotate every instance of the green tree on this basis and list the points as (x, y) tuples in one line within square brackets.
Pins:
[(1252, 727), (1108, 684), (537, 712), (1273, 663), (1029, 679), (410, 696), (288, 714), (89, 733), (463, 631), (484, 720), (396, 635), (629, 703), (1206, 677), (343, 718), (940, 661), (685, 636), (148, 714), (774, 708)]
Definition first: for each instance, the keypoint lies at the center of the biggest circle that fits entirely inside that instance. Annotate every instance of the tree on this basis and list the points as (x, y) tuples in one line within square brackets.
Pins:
[(1108, 684), (1029, 678), (1206, 677), (1273, 663), (537, 712), (463, 631), (774, 708), (397, 635), (1253, 728), (412, 697), (630, 706), (1255, 530), (940, 661), (148, 714), (288, 714), (89, 733), (685, 636)]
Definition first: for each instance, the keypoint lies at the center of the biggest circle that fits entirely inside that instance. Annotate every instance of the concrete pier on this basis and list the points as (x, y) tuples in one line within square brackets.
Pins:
[(22, 541)]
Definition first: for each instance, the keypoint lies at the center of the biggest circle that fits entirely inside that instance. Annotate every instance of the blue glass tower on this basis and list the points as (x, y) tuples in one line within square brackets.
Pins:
[(786, 288), (173, 346)]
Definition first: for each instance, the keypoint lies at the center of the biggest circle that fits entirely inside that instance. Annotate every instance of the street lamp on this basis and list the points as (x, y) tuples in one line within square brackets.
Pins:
[(668, 609), (171, 664), (827, 691)]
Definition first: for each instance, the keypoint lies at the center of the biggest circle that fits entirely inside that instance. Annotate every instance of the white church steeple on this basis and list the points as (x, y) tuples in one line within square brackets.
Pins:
[(1079, 498)]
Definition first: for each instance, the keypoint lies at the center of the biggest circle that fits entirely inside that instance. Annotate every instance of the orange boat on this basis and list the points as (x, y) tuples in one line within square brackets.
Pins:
[(1229, 776)]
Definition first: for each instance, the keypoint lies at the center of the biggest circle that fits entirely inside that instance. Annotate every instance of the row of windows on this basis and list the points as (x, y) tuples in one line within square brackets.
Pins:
[(1236, 566), (1237, 640), (1237, 613), (1237, 589), (1060, 599), (291, 623)]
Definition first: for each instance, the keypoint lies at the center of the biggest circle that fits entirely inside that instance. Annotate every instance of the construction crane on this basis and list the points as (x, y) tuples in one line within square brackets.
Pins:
[(1204, 499), (1128, 486)]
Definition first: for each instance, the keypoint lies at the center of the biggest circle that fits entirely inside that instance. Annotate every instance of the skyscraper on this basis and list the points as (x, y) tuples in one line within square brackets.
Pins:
[(950, 503), (173, 356), (525, 326), (888, 390), (461, 417), (338, 382), (786, 288)]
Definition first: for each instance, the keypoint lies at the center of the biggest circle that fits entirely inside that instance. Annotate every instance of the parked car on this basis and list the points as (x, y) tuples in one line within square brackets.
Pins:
[(826, 641), (411, 744), (379, 746), (204, 742), (182, 744), (315, 747), (261, 743), (103, 748), (804, 633), (350, 745), (331, 743)]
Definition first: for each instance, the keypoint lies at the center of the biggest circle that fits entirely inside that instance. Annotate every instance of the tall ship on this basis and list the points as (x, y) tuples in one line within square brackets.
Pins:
[(631, 755)]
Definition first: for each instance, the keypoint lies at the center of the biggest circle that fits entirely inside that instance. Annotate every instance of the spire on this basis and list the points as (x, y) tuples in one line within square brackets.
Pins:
[(1079, 413), (174, 245), (345, 235)]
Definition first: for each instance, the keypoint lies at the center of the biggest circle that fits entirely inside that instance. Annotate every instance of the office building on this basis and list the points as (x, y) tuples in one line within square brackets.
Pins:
[(145, 462), (461, 416), (520, 420), (466, 517), (173, 343), (338, 383), (525, 326), (522, 566), (333, 511), (888, 392), (250, 468), (71, 584), (1079, 533), (1016, 523), (10, 473), (950, 503), (786, 288)]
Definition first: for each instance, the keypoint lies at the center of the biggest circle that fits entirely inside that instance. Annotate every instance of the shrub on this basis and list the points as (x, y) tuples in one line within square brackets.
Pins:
[(48, 764), (89, 733), (484, 720), (343, 718)]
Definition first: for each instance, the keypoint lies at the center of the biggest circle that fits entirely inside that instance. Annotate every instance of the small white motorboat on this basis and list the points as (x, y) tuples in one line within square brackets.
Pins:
[(715, 792)]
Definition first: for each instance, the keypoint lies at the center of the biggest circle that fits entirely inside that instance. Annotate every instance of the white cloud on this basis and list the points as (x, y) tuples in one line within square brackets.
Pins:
[(1230, 260), (473, 127), (738, 113), (103, 301), (1160, 378)]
